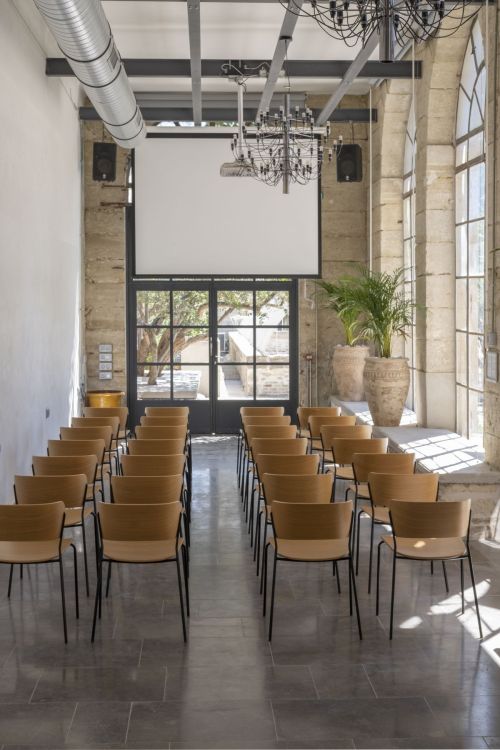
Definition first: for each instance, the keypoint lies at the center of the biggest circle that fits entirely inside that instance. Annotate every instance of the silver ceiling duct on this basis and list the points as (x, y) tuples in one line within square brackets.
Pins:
[(82, 32)]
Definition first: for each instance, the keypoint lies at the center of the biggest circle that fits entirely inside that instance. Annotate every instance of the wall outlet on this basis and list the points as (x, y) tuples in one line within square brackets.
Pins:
[(47, 413)]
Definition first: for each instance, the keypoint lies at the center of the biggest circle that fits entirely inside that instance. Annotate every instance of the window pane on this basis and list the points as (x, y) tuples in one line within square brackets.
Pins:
[(235, 344), (461, 154), (461, 249), (461, 304), (476, 417), (190, 345), (476, 191), (476, 146), (461, 196), (407, 218), (191, 382), (476, 248), (153, 308), (272, 344), (272, 307), (190, 307), (461, 354), (153, 381), (462, 427), (234, 382), (153, 344), (462, 114), (476, 305), (476, 362), (235, 308), (272, 382)]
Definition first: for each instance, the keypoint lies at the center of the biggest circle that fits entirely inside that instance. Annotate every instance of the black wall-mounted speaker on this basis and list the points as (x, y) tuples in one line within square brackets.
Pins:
[(104, 162), (350, 163)]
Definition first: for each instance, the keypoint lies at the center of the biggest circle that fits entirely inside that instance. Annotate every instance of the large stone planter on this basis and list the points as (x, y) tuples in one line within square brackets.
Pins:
[(348, 365), (386, 388)]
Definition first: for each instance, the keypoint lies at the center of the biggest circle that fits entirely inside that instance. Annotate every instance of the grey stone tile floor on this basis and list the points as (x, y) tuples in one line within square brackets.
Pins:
[(316, 686)]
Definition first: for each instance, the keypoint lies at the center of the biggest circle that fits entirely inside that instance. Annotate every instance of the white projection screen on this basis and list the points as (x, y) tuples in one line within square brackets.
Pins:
[(190, 221)]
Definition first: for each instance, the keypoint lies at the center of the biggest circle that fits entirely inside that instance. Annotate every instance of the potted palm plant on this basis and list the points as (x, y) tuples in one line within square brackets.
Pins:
[(348, 359), (385, 314)]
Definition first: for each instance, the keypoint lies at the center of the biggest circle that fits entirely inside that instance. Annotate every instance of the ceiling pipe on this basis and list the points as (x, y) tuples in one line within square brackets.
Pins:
[(83, 34)]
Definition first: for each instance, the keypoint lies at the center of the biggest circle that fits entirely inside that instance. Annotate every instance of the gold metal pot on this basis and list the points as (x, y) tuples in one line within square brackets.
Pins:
[(104, 398)]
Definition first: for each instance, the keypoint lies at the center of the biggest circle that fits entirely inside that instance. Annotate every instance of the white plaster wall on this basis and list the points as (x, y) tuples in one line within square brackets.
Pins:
[(40, 249)]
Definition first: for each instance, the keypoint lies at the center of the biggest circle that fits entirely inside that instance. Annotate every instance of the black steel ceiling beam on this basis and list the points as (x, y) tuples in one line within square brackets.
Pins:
[(153, 68), (227, 114)]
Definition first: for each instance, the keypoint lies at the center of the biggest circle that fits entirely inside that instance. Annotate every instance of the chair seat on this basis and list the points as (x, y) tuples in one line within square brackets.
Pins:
[(381, 514), (342, 472), (32, 552), (361, 489), (428, 549), (304, 433), (90, 492), (312, 550), (74, 516), (141, 552)]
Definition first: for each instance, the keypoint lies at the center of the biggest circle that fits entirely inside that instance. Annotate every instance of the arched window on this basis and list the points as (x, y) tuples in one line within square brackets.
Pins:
[(409, 240), (470, 186)]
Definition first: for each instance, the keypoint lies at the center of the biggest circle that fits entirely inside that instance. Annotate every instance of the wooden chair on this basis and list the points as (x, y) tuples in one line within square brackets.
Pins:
[(95, 448), (166, 447), (110, 411), (164, 421), (147, 490), (33, 534), (47, 466), (255, 411), (152, 466), (343, 450), (383, 488), (366, 461), (248, 421), (317, 422), (139, 534), (91, 433), (304, 412), (429, 531), (167, 411), (260, 431), (294, 487), (71, 490), (350, 432), (310, 532), (102, 421), (164, 432)]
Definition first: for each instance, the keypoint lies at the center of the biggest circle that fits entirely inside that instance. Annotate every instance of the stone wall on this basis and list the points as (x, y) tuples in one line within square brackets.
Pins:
[(105, 291)]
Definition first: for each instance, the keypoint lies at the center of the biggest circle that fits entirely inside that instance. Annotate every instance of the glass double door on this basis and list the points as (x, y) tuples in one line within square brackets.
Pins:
[(216, 345)]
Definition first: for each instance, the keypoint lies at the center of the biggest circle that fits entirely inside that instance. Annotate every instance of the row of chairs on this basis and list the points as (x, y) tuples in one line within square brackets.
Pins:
[(293, 470), (147, 519)]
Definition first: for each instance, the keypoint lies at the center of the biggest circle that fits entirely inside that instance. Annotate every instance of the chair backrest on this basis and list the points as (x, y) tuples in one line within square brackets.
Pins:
[(70, 489), (317, 422), (156, 447), (31, 523), (272, 420), (64, 465), (345, 448), (284, 446), (77, 448), (384, 463), (170, 432), (139, 523), (270, 431), (304, 412), (164, 421), (152, 466), (349, 432), (298, 488), (167, 411), (108, 411), (113, 422), (416, 520), (304, 521), (387, 487), (263, 411), (88, 433), (268, 463), (147, 489)]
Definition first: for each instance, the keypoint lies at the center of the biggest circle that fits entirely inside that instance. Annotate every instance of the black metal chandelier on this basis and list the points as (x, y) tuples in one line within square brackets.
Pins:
[(395, 21)]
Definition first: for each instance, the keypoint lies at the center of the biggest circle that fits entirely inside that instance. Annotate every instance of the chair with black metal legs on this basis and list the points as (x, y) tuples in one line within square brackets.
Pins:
[(305, 532), (33, 534), (315, 424), (97, 448), (91, 433), (432, 532), (111, 411), (152, 466), (260, 431), (263, 411), (167, 411), (304, 412), (72, 491), (350, 432), (289, 488), (343, 450), (164, 421), (140, 534), (46, 466), (102, 421), (386, 487), (251, 420)]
